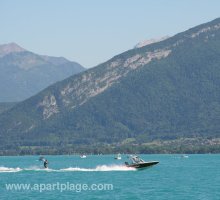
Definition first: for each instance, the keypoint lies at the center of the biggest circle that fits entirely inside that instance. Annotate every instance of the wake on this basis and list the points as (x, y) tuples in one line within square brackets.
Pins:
[(8, 170), (101, 168), (17, 169)]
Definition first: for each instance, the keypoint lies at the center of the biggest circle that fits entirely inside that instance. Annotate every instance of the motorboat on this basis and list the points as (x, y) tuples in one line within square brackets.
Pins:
[(184, 156), (118, 157), (137, 162), (82, 156)]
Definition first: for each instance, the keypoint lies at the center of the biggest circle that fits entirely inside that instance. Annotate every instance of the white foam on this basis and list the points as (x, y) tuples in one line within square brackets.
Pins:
[(101, 168), (8, 170), (36, 168)]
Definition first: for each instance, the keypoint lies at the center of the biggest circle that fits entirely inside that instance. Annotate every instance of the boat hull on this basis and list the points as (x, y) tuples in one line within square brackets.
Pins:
[(143, 165)]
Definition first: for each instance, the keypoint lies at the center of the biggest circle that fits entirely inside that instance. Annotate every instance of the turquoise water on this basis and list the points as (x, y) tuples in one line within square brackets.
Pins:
[(196, 177)]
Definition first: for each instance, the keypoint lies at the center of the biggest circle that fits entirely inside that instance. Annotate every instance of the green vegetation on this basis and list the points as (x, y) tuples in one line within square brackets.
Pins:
[(180, 146), (166, 100)]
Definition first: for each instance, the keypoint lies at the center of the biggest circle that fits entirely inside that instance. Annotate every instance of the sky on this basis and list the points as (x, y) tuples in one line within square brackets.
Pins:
[(92, 31)]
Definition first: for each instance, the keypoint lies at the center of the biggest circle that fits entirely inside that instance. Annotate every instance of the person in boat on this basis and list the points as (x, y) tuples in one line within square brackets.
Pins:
[(45, 163), (136, 159)]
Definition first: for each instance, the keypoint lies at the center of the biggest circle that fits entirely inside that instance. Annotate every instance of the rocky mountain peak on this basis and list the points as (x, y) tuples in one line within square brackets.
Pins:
[(10, 48), (150, 41)]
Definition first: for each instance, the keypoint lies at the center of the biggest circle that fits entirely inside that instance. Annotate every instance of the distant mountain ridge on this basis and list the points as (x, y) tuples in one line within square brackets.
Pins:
[(163, 91), (10, 48), (150, 41), (6, 106), (24, 73)]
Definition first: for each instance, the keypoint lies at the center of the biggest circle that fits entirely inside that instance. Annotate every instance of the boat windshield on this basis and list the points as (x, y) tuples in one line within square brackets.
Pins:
[(136, 159)]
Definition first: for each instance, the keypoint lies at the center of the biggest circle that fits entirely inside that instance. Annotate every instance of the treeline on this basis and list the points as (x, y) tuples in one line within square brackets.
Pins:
[(112, 149)]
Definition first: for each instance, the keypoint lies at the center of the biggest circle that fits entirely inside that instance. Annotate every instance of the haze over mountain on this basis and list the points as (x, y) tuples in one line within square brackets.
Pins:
[(167, 90), (10, 48), (6, 106), (24, 73)]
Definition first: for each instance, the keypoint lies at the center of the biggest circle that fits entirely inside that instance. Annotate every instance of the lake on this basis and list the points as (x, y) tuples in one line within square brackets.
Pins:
[(103, 177)]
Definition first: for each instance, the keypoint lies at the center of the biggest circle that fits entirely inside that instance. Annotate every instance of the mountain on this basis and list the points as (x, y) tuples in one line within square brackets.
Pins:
[(150, 41), (166, 93), (6, 106), (24, 73), (10, 48)]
